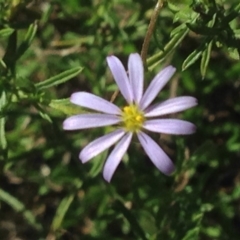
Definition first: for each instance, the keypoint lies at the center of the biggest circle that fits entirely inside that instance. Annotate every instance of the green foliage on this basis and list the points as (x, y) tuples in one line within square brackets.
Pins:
[(60, 213), (212, 23), (58, 79), (50, 49), (19, 207)]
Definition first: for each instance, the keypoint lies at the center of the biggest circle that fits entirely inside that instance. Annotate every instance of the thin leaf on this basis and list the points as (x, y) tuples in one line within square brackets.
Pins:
[(12, 201), (170, 46), (205, 59), (42, 113), (178, 29), (19, 207), (45, 116), (27, 41), (58, 79), (61, 212), (192, 58)]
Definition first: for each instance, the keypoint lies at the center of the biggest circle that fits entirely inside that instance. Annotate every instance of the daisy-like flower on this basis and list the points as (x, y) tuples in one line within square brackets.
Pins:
[(133, 118)]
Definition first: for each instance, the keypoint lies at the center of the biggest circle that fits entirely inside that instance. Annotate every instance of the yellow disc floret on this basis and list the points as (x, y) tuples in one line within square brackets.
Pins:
[(133, 118)]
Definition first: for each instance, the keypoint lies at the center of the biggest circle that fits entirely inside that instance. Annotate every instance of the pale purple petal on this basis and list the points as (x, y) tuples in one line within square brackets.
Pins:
[(156, 86), (121, 78), (100, 144), (135, 71), (83, 121), (172, 105), (156, 154), (116, 156), (94, 102), (170, 126)]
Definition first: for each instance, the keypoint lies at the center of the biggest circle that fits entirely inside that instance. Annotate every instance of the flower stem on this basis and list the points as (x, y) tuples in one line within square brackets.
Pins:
[(150, 30)]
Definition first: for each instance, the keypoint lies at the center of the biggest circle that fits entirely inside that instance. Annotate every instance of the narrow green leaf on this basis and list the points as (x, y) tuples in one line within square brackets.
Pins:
[(192, 58), (212, 22), (170, 46), (61, 212), (31, 33), (205, 59), (58, 79), (43, 113), (11, 200), (45, 116), (3, 141), (19, 207), (178, 29), (6, 32), (28, 40)]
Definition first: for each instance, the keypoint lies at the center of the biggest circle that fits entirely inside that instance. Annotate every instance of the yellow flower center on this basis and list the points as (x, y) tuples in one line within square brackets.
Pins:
[(133, 118)]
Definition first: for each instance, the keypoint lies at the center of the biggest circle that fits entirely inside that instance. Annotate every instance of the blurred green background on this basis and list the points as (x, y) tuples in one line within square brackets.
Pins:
[(46, 192)]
